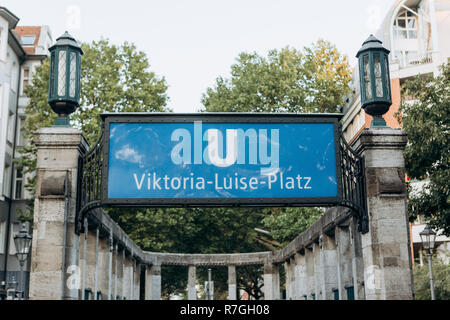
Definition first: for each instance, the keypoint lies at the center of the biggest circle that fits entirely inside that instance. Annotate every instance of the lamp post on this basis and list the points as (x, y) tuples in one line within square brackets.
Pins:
[(65, 75), (22, 240), (428, 237), (374, 80)]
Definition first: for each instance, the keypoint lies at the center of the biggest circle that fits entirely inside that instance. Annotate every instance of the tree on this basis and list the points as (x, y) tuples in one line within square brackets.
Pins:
[(441, 277), (113, 79), (287, 223), (425, 117), (288, 80)]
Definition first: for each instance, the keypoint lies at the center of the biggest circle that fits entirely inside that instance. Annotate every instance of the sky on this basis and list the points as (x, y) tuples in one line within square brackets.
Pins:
[(192, 42)]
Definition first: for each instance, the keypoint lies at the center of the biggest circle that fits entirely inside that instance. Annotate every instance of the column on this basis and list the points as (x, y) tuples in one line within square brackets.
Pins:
[(232, 289), (301, 279), (271, 282), (292, 282), (344, 259), (318, 272), (137, 281), (192, 278), (357, 261), (287, 271), (55, 245), (385, 248), (328, 261), (309, 258), (110, 267), (153, 283)]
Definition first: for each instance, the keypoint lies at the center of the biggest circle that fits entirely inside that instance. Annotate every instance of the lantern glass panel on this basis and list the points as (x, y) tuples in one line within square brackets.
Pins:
[(73, 73), (52, 74), (367, 77), (62, 73), (386, 75), (377, 72)]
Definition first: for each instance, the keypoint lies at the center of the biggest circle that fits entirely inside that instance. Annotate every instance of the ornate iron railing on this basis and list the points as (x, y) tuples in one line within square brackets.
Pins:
[(89, 181), (353, 184)]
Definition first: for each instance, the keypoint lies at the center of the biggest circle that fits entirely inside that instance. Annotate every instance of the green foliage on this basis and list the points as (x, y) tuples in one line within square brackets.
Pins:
[(441, 279), (287, 223), (113, 79), (288, 80), (426, 120)]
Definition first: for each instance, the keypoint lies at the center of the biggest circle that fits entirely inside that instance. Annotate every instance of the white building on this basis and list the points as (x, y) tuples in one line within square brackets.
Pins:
[(21, 50), (417, 32)]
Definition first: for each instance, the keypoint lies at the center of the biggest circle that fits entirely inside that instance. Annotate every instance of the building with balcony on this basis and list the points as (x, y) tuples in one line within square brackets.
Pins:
[(417, 34), (22, 49)]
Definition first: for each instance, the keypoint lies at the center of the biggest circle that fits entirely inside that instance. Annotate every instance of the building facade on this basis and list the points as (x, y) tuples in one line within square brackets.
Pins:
[(22, 49), (417, 34)]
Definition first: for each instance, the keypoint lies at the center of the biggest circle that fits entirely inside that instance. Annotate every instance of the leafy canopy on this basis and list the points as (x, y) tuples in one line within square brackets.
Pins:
[(287, 80), (114, 78), (425, 116)]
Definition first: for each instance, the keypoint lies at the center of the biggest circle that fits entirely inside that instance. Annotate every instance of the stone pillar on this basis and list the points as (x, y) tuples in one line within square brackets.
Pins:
[(103, 266), (271, 282), (318, 276), (192, 278), (292, 286), (385, 248), (287, 272), (344, 260), (116, 270), (137, 281), (301, 279), (357, 261), (232, 283), (309, 258), (153, 283), (55, 246), (328, 261)]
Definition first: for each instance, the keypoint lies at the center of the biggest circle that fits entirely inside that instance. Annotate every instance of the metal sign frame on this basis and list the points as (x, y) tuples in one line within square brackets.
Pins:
[(219, 118), (92, 184)]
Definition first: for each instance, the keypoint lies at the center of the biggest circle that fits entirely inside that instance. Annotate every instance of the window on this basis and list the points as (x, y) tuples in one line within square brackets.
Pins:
[(14, 71), (10, 135), (2, 236), (28, 40), (405, 26), (26, 79), (6, 179), (19, 184)]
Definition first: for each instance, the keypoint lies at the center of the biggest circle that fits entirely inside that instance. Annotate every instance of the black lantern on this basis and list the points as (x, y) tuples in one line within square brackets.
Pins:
[(65, 74), (428, 237), (374, 80), (22, 240)]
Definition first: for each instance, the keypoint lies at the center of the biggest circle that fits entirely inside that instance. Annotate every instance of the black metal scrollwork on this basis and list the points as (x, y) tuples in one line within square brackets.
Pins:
[(89, 181), (353, 184)]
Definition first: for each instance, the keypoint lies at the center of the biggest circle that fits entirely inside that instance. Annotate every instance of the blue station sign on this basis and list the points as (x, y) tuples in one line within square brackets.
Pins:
[(221, 159)]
